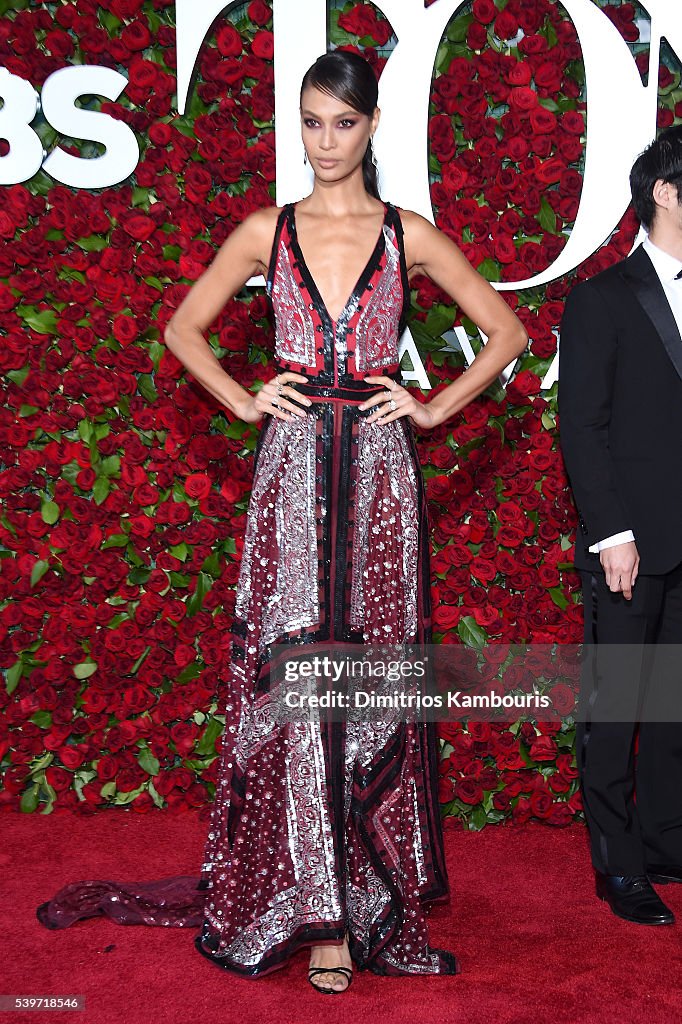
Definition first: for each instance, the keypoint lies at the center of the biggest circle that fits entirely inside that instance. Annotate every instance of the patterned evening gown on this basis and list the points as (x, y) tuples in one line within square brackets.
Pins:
[(318, 826)]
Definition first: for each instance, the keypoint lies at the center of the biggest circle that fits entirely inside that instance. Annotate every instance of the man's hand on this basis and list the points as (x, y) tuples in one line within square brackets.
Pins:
[(621, 565)]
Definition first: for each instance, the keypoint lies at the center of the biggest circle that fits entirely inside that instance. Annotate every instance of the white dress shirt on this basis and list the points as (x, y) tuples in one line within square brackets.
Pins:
[(667, 267)]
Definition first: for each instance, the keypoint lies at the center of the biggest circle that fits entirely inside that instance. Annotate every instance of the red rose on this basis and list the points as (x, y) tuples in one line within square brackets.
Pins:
[(541, 804), (441, 137), (446, 616), (563, 701), (263, 45), (469, 791), (548, 76), (484, 11), (506, 25), (58, 778), (139, 226), (550, 171), (229, 41), (573, 122), (560, 814), (259, 12), (523, 99), (543, 748), (518, 73), (197, 485), (136, 35), (543, 122), (440, 489)]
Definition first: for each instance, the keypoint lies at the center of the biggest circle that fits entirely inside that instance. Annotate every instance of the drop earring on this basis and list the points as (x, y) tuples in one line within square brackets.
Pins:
[(305, 158), (373, 154)]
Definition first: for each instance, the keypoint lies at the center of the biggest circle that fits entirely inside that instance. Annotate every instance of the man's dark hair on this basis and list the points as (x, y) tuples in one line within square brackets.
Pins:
[(662, 160)]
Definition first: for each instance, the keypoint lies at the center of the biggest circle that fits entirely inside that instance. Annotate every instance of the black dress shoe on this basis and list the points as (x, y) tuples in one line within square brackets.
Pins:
[(661, 874), (633, 898)]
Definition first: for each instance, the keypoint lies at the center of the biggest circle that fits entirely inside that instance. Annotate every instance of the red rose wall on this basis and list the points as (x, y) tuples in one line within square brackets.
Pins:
[(124, 485)]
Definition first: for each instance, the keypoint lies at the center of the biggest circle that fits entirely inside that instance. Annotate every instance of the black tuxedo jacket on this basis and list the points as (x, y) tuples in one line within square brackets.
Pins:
[(620, 413)]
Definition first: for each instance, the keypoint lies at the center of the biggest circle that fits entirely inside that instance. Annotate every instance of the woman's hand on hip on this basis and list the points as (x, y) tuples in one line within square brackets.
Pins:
[(277, 397), (394, 402)]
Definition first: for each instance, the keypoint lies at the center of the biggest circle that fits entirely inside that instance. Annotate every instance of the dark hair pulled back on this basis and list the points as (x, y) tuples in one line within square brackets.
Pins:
[(349, 78)]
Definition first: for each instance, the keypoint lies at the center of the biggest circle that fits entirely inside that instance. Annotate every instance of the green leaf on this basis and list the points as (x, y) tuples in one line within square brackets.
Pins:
[(489, 269), (13, 675), (43, 322), (140, 197), (18, 376), (28, 410), (108, 789), (43, 719), (109, 21), (559, 598), (139, 576), (148, 762), (110, 465), (156, 797), (38, 571), (206, 745), (139, 661), (179, 551), (127, 798), (189, 673), (117, 540), (458, 28), (49, 794), (84, 669), (49, 511), (145, 385), (85, 430), (478, 819), (236, 429), (195, 602), (439, 320), (471, 633), (101, 489), (547, 216), (93, 243), (29, 800)]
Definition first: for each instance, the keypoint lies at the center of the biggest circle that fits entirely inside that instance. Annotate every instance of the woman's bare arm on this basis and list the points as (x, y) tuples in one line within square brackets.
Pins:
[(245, 253), (429, 251)]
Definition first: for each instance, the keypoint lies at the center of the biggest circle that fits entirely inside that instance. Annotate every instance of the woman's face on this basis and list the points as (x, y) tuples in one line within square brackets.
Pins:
[(334, 135)]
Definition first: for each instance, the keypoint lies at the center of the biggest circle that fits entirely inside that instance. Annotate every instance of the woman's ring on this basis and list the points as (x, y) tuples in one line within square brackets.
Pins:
[(280, 389), (392, 405), (275, 404)]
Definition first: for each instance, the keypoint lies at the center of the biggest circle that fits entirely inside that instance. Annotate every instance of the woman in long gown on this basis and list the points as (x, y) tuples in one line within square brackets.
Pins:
[(324, 833)]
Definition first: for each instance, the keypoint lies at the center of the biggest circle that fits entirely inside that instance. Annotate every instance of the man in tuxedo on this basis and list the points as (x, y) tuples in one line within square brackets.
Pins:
[(620, 404)]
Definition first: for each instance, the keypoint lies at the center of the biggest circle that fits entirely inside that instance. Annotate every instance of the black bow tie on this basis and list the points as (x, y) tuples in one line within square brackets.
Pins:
[(678, 276)]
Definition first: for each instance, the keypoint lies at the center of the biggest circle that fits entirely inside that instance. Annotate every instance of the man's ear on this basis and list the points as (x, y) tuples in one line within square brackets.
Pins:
[(664, 194)]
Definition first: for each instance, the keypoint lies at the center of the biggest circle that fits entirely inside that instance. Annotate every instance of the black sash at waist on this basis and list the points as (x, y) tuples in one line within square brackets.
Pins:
[(352, 391)]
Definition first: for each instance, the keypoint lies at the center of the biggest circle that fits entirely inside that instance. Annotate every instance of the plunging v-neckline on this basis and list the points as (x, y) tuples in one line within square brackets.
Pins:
[(310, 280)]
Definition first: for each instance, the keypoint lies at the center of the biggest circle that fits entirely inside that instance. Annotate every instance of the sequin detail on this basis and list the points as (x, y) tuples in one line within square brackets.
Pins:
[(295, 331), (282, 575), (378, 322)]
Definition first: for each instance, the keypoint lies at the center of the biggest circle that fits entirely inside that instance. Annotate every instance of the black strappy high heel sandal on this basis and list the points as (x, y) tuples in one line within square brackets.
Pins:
[(347, 972)]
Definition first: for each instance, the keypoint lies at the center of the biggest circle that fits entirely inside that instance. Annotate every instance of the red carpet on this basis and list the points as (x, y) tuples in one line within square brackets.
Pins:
[(535, 945)]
